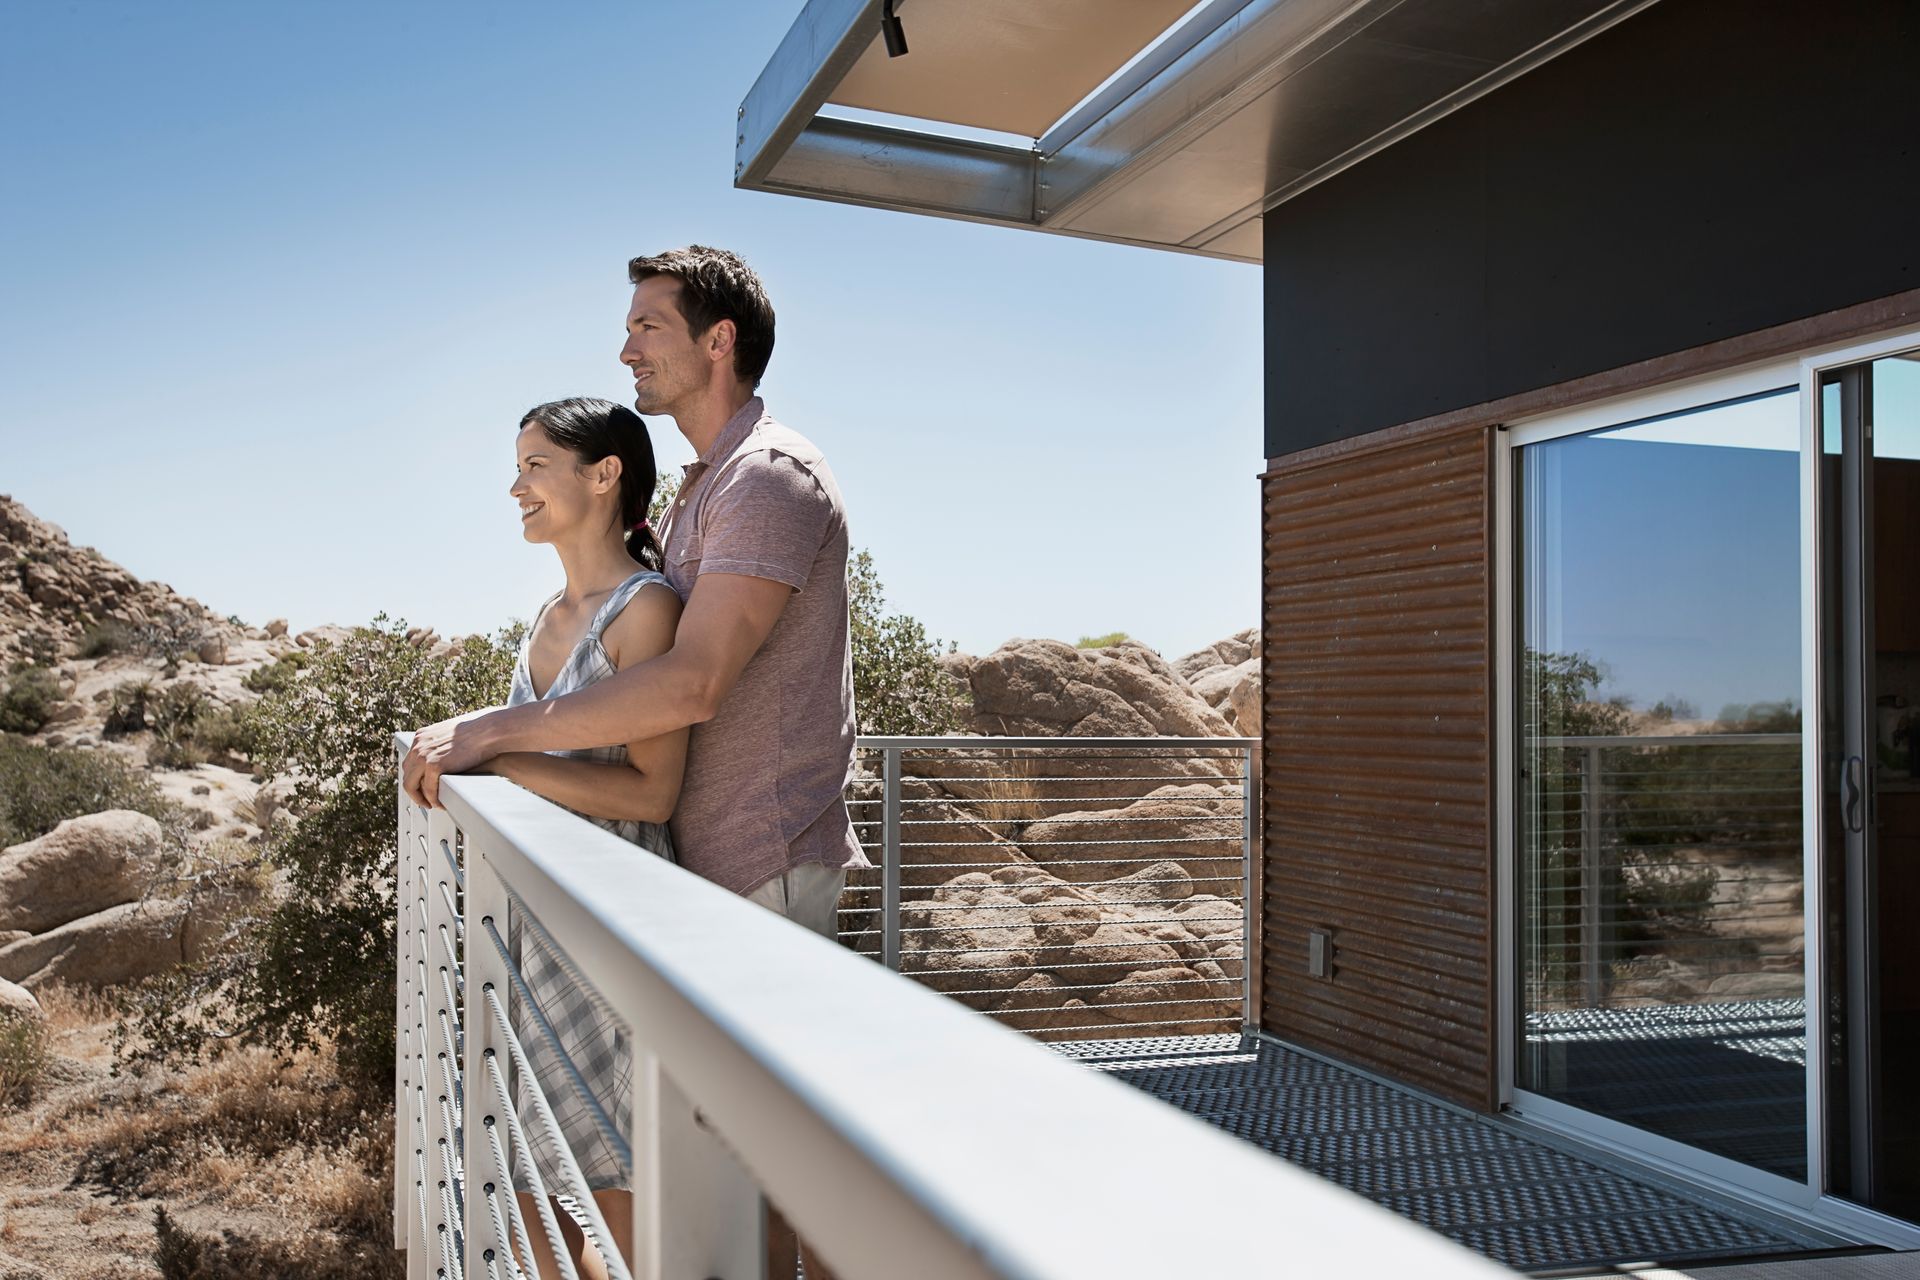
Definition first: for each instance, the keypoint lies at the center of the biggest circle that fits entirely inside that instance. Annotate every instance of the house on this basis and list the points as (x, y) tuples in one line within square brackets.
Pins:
[(1592, 446)]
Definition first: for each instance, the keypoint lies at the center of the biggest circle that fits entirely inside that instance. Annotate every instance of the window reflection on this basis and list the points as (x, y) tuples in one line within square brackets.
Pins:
[(1662, 937)]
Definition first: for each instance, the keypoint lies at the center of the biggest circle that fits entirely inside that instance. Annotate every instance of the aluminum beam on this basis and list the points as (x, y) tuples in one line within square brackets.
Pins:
[(817, 52), (869, 164)]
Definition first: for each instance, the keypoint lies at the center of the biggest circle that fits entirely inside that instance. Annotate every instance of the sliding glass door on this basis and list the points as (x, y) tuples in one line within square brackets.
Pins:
[(1658, 843), (1869, 504)]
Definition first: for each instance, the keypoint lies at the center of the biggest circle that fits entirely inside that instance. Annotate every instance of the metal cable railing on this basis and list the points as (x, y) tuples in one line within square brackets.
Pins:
[(1116, 897), (1661, 869), (737, 1095)]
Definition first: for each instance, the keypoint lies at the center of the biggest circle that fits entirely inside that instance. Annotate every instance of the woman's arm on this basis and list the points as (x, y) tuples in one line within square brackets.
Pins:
[(644, 789), (598, 790)]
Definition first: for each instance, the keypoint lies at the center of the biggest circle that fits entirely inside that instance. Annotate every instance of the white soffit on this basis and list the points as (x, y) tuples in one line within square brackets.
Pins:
[(1043, 55), (1244, 105)]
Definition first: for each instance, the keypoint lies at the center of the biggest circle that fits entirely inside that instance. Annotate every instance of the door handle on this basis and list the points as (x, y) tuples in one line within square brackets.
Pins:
[(1853, 791)]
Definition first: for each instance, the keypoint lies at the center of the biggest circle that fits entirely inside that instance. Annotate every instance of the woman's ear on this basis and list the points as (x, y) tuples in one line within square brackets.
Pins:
[(607, 475)]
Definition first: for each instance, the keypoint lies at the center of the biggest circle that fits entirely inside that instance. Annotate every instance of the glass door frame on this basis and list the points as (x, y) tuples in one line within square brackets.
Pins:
[(1813, 368), (1806, 1201)]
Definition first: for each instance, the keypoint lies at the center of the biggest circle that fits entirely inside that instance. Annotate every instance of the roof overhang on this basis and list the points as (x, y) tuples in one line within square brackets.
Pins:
[(1241, 104)]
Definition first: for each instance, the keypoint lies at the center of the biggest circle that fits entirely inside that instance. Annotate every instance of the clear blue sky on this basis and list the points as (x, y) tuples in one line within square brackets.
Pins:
[(1675, 566), (279, 280)]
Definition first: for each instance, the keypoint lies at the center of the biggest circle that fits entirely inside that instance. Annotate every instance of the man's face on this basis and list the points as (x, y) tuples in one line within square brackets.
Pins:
[(669, 366)]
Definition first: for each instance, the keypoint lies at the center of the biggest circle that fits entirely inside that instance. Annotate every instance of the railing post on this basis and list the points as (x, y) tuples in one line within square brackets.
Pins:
[(485, 1129), (890, 858), (440, 1057), (1591, 976), (696, 1212), (1249, 898), (406, 928)]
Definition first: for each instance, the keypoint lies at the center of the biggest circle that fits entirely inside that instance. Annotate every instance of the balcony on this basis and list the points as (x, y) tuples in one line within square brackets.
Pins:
[(994, 1107)]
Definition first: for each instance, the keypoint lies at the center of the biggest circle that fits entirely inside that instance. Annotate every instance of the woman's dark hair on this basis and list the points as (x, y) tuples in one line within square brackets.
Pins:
[(596, 429)]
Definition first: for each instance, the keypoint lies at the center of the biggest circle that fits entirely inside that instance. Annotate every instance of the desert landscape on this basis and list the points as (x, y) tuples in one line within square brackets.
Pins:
[(143, 844)]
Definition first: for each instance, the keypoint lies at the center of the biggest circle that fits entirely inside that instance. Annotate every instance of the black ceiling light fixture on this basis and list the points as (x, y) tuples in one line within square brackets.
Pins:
[(896, 35)]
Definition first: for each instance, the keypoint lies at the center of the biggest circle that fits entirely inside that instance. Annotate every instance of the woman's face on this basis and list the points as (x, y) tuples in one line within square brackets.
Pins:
[(556, 492)]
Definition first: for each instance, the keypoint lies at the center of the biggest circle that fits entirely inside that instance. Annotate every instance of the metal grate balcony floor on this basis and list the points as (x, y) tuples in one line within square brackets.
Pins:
[(1517, 1201)]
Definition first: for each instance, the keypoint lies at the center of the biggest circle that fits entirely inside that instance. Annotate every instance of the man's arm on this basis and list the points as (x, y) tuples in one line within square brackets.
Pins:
[(727, 618)]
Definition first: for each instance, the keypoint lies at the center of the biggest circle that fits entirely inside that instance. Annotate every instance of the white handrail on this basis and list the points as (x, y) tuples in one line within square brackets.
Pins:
[(769, 1059)]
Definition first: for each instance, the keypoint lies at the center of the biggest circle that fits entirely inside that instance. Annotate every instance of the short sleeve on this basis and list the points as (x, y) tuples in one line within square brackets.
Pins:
[(767, 517)]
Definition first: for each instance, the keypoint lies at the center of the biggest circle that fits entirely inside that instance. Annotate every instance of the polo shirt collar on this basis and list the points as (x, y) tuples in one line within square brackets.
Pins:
[(735, 431)]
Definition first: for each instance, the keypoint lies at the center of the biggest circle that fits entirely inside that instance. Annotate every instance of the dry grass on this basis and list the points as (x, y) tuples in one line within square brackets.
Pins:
[(265, 1166), (23, 1057), (71, 1009)]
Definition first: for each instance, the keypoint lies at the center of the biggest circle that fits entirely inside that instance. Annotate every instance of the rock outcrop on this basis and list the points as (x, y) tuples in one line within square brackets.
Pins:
[(1044, 687), (83, 866), (1045, 954), (121, 944), (19, 1002), (1090, 893), (51, 592), (125, 943), (1197, 824), (1226, 676)]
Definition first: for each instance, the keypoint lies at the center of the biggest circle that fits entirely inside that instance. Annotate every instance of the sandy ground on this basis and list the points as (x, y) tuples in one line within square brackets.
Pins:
[(250, 1147)]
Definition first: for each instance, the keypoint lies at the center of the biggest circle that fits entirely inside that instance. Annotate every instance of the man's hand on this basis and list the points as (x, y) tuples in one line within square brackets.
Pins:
[(459, 745)]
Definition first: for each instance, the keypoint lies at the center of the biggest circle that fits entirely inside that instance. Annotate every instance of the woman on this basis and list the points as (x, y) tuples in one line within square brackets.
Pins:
[(584, 480)]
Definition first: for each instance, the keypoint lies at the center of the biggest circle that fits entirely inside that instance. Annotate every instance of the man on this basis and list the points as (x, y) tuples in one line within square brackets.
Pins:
[(756, 546)]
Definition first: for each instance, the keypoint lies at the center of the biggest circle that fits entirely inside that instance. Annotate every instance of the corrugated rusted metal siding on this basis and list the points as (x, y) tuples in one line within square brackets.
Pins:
[(1377, 770)]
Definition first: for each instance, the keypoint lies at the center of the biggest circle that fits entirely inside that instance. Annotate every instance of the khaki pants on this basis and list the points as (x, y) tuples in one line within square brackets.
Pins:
[(808, 895)]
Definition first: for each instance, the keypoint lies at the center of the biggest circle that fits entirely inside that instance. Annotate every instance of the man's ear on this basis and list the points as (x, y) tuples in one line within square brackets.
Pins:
[(720, 339)]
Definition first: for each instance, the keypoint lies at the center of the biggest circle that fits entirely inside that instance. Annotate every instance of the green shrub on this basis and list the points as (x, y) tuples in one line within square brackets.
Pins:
[(173, 715), (1101, 642), (226, 732), (898, 686), (175, 753), (103, 638), (41, 787), (127, 708), (170, 638), (278, 674), (28, 701), (318, 965)]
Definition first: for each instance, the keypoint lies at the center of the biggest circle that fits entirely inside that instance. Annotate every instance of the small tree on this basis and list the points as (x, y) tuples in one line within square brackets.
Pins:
[(1559, 697), (318, 964), (898, 686), (665, 490)]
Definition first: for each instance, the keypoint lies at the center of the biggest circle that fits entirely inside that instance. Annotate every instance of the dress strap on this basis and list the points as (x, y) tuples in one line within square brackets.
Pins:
[(526, 641), (618, 600)]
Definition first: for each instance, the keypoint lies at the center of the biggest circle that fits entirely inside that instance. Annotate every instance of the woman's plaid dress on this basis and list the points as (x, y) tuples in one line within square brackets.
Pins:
[(588, 1031)]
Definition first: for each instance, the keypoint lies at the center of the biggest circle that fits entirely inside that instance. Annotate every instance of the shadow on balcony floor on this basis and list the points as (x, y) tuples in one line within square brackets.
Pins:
[(1516, 1201)]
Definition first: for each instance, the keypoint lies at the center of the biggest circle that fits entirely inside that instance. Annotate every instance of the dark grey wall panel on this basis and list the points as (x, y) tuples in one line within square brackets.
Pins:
[(1705, 169)]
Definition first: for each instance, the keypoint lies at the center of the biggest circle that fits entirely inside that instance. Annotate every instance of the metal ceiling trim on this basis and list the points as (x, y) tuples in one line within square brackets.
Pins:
[(1467, 94), (1191, 32), (1210, 80), (814, 56), (859, 163)]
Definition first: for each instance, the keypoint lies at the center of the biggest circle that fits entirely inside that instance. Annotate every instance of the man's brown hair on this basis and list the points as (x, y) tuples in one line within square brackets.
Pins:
[(716, 285)]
